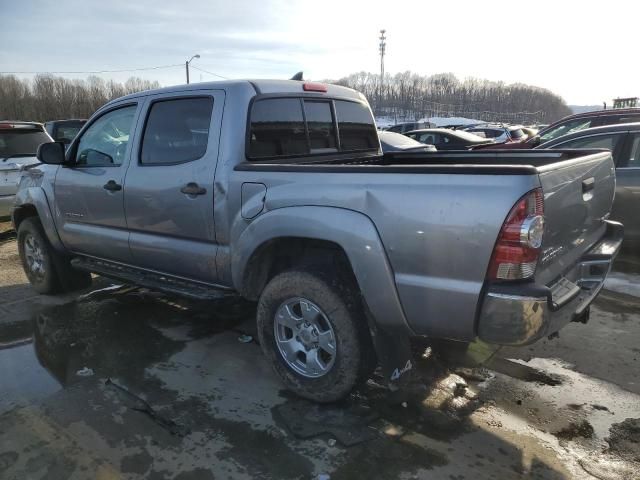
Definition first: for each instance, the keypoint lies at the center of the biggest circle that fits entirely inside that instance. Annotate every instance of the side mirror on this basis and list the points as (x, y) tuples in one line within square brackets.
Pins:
[(51, 153)]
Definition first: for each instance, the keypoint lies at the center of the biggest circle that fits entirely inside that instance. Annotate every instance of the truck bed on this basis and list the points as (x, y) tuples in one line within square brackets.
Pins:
[(486, 162)]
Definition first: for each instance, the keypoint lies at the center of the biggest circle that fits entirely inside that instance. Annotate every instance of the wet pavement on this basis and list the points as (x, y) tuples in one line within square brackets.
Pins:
[(122, 382)]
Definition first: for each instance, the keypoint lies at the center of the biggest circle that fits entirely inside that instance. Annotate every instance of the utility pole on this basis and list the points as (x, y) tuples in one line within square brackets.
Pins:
[(383, 46), (186, 65)]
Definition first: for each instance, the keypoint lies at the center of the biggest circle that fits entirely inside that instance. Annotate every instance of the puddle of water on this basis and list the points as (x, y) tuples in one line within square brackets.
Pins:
[(23, 379), (116, 331)]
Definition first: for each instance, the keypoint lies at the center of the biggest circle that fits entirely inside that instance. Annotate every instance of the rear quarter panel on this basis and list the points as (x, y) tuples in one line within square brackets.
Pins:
[(438, 231)]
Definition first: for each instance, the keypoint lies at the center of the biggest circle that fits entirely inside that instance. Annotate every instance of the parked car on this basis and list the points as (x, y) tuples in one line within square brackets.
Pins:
[(408, 126), (444, 139), (624, 143), (499, 133), (396, 142), (530, 132), (575, 123), (64, 130), (19, 142), (277, 191)]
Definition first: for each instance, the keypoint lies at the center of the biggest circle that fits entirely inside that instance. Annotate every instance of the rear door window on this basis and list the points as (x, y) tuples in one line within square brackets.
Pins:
[(608, 140), (177, 131), (634, 154), (356, 127), (322, 134)]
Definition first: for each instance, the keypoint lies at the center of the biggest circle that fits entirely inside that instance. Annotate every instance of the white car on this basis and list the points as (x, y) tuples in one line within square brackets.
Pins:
[(19, 143)]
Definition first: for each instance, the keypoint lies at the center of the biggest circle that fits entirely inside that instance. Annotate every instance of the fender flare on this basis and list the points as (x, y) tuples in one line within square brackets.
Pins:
[(352, 231), (36, 197)]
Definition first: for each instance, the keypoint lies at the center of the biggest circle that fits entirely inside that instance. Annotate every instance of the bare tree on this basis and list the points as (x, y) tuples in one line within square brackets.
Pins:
[(47, 97), (411, 96)]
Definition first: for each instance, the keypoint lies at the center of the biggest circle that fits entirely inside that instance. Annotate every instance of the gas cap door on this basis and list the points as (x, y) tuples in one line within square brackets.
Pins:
[(253, 197)]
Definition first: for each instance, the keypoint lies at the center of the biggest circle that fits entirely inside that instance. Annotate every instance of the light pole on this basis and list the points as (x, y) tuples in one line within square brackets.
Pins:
[(383, 46), (186, 65)]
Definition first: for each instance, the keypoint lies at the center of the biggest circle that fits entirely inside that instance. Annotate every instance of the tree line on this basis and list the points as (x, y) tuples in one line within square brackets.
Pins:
[(406, 96), (48, 97), (411, 96)]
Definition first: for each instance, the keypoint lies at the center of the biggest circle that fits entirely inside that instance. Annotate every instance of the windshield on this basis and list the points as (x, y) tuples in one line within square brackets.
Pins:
[(565, 128), (14, 142), (398, 140), (471, 137)]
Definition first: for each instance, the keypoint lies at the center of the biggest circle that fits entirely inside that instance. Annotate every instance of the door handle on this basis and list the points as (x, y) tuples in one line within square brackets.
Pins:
[(112, 186), (588, 184), (193, 189)]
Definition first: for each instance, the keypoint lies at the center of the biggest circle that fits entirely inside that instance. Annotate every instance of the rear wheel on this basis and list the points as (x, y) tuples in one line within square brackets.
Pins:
[(47, 270), (314, 334)]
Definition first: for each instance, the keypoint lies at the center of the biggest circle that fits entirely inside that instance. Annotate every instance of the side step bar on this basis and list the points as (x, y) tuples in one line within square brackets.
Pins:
[(153, 280)]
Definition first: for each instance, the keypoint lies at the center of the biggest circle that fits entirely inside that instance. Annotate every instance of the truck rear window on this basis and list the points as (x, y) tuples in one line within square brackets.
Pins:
[(277, 128), (288, 127), (357, 131)]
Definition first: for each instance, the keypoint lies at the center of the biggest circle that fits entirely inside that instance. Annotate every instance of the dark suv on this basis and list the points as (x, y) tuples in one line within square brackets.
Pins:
[(64, 130)]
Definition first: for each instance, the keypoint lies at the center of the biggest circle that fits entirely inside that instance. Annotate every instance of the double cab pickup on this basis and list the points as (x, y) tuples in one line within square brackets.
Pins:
[(277, 191)]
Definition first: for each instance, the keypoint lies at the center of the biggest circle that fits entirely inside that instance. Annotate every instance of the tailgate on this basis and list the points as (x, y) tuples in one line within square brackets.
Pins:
[(578, 194), (9, 179), (10, 173)]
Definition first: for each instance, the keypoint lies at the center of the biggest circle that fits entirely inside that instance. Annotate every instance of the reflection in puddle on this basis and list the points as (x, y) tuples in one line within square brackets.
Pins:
[(117, 333), (23, 378)]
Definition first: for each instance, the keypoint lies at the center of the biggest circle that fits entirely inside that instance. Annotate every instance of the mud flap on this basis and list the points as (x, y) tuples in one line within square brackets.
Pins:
[(395, 357)]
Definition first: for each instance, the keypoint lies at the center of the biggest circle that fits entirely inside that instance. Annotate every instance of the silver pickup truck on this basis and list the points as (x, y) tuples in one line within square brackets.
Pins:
[(277, 191)]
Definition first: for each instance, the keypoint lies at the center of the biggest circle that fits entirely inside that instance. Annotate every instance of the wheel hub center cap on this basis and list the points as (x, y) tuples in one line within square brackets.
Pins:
[(307, 335)]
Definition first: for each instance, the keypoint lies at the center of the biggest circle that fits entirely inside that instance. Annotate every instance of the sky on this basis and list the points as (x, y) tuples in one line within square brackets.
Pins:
[(571, 47)]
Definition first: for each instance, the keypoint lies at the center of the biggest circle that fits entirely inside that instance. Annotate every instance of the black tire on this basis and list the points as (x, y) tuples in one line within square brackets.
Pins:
[(342, 307), (56, 275)]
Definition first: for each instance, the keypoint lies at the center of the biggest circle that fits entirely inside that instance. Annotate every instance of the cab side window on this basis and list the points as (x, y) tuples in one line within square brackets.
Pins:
[(634, 154), (177, 131), (104, 143)]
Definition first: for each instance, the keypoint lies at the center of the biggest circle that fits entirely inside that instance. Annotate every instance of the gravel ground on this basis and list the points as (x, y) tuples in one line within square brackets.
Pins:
[(121, 382)]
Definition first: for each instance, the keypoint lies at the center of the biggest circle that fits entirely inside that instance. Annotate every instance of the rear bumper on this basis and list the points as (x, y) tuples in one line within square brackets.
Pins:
[(6, 205), (520, 314)]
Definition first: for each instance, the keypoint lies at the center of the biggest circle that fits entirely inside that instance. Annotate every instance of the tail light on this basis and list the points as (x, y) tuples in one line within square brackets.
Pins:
[(517, 249)]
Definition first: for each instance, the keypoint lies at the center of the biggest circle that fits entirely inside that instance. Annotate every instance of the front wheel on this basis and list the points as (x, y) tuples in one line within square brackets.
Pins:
[(47, 270), (313, 333)]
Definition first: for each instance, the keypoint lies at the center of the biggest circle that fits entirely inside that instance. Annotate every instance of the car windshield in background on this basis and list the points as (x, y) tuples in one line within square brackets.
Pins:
[(470, 136), (565, 129), (398, 140), (23, 141)]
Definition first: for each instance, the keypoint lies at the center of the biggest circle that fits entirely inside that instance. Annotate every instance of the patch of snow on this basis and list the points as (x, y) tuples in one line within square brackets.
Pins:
[(623, 283)]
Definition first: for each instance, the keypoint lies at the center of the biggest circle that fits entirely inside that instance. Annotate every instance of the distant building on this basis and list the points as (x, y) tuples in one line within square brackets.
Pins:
[(630, 102)]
